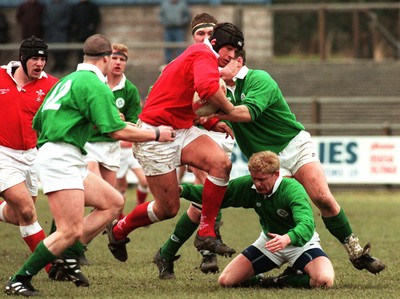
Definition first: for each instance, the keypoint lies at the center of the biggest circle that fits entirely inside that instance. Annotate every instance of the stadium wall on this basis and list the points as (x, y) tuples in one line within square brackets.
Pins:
[(136, 25)]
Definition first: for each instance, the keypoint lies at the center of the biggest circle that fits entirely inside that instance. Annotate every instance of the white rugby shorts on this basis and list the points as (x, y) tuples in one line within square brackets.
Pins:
[(298, 152), (60, 166), (290, 253), (128, 161), (226, 143), (16, 166), (163, 157), (105, 153)]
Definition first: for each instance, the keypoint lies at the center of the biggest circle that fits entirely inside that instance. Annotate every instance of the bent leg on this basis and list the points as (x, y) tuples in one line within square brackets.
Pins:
[(107, 203), (238, 270), (20, 210), (312, 177), (20, 207), (205, 154), (321, 272), (142, 189), (67, 208), (165, 205), (184, 229)]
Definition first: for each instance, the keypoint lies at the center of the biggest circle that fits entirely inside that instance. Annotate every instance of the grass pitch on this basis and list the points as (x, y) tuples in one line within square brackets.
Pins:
[(373, 213)]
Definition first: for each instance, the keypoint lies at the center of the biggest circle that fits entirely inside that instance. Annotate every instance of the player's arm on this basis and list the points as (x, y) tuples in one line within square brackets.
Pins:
[(237, 194), (219, 100), (135, 134), (302, 215), (239, 114)]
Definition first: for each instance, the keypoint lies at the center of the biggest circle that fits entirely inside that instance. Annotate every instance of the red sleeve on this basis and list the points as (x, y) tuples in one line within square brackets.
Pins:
[(210, 123), (206, 74)]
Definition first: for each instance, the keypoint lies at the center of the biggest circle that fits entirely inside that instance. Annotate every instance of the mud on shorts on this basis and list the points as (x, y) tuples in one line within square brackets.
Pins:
[(162, 157)]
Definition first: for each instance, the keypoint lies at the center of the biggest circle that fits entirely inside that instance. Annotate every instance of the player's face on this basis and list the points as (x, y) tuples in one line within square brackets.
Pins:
[(264, 182), (118, 64), (35, 66), (226, 54), (200, 35)]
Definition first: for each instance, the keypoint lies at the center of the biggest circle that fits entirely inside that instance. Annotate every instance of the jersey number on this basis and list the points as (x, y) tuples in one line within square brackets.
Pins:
[(59, 91)]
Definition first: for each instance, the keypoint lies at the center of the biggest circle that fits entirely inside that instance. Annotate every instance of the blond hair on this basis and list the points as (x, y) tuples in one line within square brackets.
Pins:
[(120, 48), (265, 162)]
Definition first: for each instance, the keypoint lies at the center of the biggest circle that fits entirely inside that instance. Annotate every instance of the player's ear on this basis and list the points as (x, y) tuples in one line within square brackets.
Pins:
[(213, 42)]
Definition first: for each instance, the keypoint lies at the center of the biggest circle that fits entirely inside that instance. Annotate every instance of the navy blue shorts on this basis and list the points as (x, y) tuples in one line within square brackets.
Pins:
[(261, 263)]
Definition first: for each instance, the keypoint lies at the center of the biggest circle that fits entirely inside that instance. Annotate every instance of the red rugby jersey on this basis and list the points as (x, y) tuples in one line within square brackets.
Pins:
[(18, 106), (170, 99)]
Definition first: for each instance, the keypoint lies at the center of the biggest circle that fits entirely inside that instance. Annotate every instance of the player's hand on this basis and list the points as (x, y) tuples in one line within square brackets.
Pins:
[(223, 128), (166, 133), (201, 120), (277, 242)]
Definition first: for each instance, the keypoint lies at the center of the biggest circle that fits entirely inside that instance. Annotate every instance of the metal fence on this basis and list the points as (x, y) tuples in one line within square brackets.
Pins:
[(364, 116)]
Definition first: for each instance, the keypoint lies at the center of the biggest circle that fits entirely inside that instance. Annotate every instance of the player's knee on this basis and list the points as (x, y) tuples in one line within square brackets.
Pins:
[(71, 234), (120, 202), (326, 203), (168, 213), (116, 202), (322, 280), (226, 164), (194, 213), (221, 167), (171, 213), (225, 281), (27, 214)]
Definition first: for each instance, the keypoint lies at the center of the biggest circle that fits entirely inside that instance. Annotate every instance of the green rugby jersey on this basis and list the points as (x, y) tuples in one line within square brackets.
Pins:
[(76, 105), (273, 124), (127, 100), (286, 211)]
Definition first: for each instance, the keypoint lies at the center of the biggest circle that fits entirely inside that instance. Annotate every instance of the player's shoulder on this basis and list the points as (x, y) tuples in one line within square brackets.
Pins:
[(291, 186), (200, 47), (46, 80), (130, 84), (51, 79), (3, 72), (259, 73)]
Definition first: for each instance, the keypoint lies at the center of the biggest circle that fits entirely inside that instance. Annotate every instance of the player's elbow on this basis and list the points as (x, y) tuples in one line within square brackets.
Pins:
[(115, 135)]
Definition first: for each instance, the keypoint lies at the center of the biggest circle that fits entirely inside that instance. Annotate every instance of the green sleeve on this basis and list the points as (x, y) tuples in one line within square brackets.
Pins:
[(238, 193), (262, 92), (192, 192), (303, 217)]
